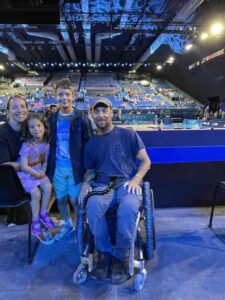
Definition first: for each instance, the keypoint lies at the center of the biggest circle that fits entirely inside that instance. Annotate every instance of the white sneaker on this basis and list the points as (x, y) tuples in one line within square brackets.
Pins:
[(58, 223), (11, 225), (65, 231)]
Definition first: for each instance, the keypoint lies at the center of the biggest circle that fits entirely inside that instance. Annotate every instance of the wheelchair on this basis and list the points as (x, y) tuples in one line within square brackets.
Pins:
[(143, 244)]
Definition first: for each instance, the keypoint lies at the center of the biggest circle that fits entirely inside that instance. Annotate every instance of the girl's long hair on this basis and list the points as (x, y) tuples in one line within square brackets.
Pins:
[(27, 137)]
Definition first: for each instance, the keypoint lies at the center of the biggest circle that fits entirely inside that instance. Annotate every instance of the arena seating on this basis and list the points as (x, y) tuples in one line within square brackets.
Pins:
[(124, 94)]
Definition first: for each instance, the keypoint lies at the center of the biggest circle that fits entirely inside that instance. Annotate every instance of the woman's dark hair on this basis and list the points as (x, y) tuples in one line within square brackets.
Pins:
[(13, 97), (27, 137)]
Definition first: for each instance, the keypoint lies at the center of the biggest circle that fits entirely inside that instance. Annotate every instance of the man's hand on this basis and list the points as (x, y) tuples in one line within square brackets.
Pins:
[(84, 190), (133, 186)]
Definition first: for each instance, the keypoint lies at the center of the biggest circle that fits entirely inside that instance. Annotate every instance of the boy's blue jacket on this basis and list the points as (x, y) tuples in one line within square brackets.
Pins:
[(80, 132)]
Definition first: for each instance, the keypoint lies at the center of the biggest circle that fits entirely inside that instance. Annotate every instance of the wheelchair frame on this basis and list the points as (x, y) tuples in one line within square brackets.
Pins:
[(145, 251)]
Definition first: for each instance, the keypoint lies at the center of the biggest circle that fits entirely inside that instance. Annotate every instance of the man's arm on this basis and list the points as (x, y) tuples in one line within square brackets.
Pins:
[(133, 185)]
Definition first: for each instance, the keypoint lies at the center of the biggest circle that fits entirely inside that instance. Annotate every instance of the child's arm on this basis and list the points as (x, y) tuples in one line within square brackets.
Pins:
[(26, 168)]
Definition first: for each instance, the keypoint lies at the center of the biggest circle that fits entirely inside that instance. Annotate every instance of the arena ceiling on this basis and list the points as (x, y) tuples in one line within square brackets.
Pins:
[(97, 33)]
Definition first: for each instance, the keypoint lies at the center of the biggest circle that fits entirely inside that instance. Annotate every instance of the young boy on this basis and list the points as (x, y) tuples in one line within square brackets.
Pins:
[(70, 130)]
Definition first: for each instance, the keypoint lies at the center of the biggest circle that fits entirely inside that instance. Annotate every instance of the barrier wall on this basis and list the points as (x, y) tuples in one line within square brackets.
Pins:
[(185, 165)]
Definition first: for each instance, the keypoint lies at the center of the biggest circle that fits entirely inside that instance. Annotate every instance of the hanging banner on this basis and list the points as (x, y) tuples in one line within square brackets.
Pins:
[(207, 58)]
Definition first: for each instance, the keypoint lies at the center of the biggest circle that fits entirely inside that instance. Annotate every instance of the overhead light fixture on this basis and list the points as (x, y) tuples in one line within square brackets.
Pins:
[(2, 68), (170, 60), (188, 46), (216, 28), (159, 67), (204, 36)]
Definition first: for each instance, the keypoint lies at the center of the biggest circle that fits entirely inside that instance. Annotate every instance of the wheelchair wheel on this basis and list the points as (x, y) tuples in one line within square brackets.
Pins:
[(139, 280), (80, 275), (148, 204)]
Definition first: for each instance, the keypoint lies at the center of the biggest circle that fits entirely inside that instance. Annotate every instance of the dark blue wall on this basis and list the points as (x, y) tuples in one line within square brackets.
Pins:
[(204, 81)]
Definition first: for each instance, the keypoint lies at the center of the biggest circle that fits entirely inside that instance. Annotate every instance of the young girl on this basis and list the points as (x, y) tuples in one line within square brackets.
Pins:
[(34, 180)]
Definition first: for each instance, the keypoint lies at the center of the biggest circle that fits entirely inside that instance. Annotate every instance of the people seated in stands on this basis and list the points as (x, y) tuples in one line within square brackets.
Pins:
[(53, 108), (89, 115), (119, 115), (113, 151), (34, 179), (70, 130)]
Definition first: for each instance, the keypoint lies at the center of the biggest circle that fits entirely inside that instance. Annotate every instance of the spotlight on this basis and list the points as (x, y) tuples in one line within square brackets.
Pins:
[(216, 28), (188, 46), (159, 67), (2, 68), (204, 36), (170, 60)]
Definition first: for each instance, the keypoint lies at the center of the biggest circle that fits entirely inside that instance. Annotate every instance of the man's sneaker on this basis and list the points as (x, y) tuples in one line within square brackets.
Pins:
[(65, 231), (119, 272), (101, 270), (47, 221)]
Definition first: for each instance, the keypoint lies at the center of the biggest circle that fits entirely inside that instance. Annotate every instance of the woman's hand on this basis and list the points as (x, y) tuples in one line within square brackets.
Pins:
[(40, 175)]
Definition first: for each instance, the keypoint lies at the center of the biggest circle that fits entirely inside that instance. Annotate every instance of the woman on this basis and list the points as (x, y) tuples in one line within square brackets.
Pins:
[(11, 139)]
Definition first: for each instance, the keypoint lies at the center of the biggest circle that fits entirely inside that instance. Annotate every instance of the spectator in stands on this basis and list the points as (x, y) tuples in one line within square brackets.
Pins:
[(113, 152), (119, 115), (70, 130), (34, 179), (89, 115), (53, 108), (47, 113)]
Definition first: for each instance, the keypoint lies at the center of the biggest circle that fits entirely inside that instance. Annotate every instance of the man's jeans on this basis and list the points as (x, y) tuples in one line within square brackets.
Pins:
[(128, 207)]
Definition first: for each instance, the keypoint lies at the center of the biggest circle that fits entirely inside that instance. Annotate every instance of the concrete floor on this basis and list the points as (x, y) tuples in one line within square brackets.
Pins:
[(189, 263)]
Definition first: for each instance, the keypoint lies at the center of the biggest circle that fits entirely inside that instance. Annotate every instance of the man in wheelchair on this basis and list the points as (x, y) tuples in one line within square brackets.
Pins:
[(114, 150)]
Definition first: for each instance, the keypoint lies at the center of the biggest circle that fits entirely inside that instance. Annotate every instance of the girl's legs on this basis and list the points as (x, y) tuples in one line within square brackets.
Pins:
[(35, 202), (46, 188), (35, 207)]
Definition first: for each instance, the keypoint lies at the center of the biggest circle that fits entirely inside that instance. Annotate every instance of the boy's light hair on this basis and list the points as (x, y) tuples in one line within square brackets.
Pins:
[(64, 83)]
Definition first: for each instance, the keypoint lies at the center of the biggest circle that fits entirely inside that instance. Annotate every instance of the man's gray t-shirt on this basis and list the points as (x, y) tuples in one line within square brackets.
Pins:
[(113, 153)]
